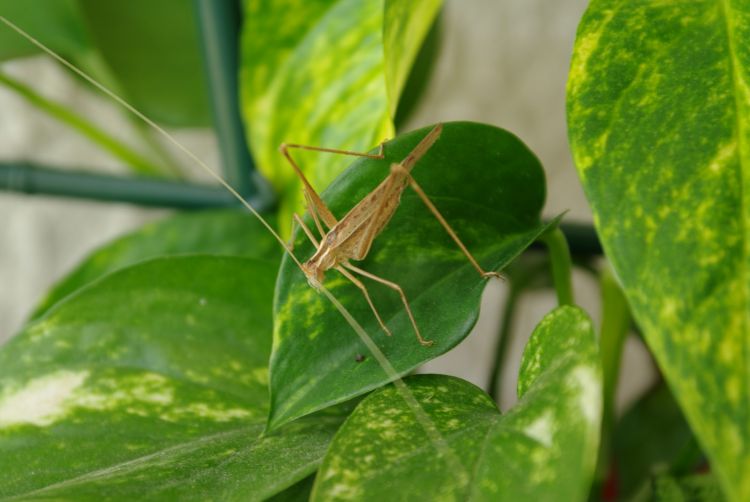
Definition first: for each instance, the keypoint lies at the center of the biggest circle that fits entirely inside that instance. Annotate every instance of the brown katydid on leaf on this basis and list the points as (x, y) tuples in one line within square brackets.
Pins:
[(351, 237)]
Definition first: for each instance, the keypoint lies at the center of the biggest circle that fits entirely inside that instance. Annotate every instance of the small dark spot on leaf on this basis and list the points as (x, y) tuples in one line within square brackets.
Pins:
[(359, 358)]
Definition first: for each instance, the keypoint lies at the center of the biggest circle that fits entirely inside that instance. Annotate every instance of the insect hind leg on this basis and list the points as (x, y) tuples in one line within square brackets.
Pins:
[(400, 291), (397, 168), (366, 293)]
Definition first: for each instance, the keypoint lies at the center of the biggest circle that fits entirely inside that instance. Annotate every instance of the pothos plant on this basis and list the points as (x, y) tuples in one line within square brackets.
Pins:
[(191, 360)]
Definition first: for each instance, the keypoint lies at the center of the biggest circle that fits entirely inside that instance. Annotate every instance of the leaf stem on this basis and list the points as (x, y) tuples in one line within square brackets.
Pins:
[(529, 272), (118, 149), (614, 329), (561, 264), (503, 341)]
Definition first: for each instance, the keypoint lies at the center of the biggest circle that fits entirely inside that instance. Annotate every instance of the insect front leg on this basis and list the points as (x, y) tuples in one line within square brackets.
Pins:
[(363, 288), (400, 291), (314, 202), (296, 219), (314, 212), (290, 242)]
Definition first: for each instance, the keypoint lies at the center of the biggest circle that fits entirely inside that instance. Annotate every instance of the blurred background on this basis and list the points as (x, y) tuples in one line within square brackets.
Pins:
[(503, 62)]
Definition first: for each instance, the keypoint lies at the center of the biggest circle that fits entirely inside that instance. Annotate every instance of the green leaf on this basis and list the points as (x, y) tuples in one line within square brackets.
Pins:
[(696, 488), (221, 232), (419, 77), (76, 122), (651, 437), (324, 73), (151, 383), (658, 114), (299, 492), (55, 23), (488, 186), (542, 449), (152, 50), (405, 27)]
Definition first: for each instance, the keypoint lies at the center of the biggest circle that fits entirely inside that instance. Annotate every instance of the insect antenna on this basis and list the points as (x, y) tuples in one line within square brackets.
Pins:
[(185, 150), (425, 421)]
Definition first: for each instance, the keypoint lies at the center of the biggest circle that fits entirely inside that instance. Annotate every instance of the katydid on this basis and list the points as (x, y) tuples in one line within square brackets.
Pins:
[(351, 237), (347, 239)]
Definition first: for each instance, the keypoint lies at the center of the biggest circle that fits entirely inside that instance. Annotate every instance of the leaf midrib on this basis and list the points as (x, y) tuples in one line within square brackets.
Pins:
[(103, 472), (339, 362)]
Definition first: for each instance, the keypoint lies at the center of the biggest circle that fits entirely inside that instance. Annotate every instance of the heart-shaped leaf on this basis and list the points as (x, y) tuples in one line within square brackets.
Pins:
[(488, 186), (543, 449), (658, 112), (151, 383), (324, 73), (55, 23), (221, 232), (652, 436), (695, 488), (152, 49)]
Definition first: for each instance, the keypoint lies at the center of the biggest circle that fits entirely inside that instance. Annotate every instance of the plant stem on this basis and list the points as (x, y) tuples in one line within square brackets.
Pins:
[(86, 128), (94, 64), (615, 326), (529, 272), (561, 265), (614, 329), (503, 341)]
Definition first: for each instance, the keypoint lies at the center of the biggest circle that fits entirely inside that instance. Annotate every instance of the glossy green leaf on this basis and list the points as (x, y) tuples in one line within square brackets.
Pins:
[(488, 186), (55, 23), (324, 73), (658, 112), (421, 72), (405, 27), (151, 384), (299, 492), (544, 449), (652, 437), (220, 232), (696, 488), (152, 50)]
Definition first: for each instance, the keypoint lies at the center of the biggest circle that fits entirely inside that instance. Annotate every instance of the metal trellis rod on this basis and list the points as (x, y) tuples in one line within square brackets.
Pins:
[(219, 30)]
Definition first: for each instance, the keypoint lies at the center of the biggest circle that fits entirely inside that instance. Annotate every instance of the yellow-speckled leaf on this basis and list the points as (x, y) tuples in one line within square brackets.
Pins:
[(405, 28), (695, 488), (151, 384), (55, 23), (659, 116), (488, 186), (218, 232), (324, 73), (544, 449), (152, 49)]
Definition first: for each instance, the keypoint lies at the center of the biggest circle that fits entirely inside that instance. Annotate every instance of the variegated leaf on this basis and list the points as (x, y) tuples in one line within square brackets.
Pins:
[(462, 448), (659, 115), (151, 384), (324, 73), (489, 187)]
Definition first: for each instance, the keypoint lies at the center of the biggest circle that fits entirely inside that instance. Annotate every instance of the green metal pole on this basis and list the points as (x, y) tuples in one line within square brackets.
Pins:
[(219, 34), (30, 179)]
